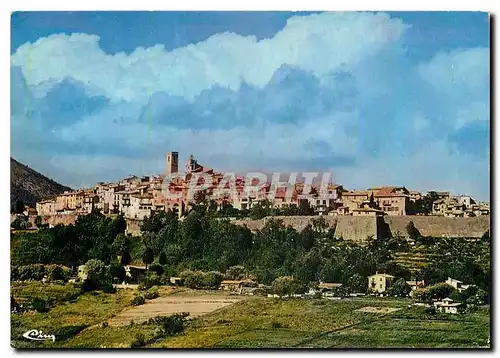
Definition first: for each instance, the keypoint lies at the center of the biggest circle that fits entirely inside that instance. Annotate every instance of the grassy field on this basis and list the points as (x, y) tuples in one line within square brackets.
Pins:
[(255, 322), (269, 323), (67, 317)]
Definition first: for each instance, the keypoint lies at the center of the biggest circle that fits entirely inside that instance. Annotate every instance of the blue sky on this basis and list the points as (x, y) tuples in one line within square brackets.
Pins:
[(376, 98)]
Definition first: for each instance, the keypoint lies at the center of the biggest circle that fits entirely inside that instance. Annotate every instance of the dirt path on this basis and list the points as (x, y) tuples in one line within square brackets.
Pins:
[(164, 306)]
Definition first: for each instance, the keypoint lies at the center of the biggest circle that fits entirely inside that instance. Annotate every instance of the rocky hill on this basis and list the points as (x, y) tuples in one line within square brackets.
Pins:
[(30, 186)]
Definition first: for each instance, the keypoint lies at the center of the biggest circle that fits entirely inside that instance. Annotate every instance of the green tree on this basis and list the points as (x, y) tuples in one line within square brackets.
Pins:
[(356, 284), (148, 256), (399, 288), (304, 208), (98, 274), (162, 259), (306, 268), (440, 291), (18, 207), (319, 225), (306, 238), (261, 210), (236, 272), (118, 226), (479, 298), (421, 295), (121, 244), (16, 224), (117, 272), (125, 258), (212, 280), (425, 204), (287, 285)]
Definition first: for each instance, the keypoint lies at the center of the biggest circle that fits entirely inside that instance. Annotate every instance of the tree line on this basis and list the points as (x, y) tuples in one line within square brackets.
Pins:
[(203, 241)]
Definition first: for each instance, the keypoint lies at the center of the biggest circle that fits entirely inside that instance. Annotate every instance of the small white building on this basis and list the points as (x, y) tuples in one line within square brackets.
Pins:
[(458, 285), (447, 306)]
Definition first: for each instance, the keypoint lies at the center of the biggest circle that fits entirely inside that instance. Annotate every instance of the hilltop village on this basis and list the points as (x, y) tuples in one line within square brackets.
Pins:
[(139, 197)]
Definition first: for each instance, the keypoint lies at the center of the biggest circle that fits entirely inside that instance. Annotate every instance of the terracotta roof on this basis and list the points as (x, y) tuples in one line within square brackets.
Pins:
[(388, 191), (234, 282), (329, 285), (356, 193)]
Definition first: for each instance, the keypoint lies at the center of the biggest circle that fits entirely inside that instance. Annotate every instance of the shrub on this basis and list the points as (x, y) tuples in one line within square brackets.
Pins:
[(162, 259), (317, 295), (151, 293), (275, 324), (16, 224), (138, 300), (157, 268), (139, 341), (421, 295), (170, 325), (117, 272), (235, 273), (164, 280), (192, 279), (200, 279), (57, 273), (212, 280), (430, 310), (440, 291), (31, 272), (169, 271), (98, 274), (399, 288), (149, 280), (67, 332), (478, 299), (39, 305), (108, 288), (287, 285)]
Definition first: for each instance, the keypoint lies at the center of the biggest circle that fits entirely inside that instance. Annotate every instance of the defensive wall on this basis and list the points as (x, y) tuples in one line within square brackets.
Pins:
[(355, 228), (358, 228)]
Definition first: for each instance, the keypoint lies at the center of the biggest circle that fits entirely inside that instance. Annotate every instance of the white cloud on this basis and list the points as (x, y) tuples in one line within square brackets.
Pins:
[(390, 116), (459, 72), (318, 43)]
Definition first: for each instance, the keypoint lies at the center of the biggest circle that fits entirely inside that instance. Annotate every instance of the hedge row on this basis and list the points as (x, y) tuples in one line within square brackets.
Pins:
[(38, 272), (200, 279)]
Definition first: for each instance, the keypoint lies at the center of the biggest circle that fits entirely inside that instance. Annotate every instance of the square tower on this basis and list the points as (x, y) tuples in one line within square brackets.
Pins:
[(172, 162)]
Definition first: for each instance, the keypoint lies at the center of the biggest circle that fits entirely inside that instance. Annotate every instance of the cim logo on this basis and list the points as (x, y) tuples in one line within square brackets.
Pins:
[(36, 335)]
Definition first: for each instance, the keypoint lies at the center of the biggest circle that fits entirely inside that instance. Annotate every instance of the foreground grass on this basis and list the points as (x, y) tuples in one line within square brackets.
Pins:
[(269, 323), (68, 318), (256, 322), (49, 292)]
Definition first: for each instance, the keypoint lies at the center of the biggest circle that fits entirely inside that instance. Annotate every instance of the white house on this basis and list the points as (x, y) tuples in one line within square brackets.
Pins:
[(447, 306)]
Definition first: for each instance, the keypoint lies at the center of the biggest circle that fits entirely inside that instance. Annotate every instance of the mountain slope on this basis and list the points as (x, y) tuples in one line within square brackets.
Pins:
[(30, 186)]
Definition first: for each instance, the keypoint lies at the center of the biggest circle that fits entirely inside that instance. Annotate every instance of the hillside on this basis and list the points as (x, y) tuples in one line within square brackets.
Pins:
[(30, 186)]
